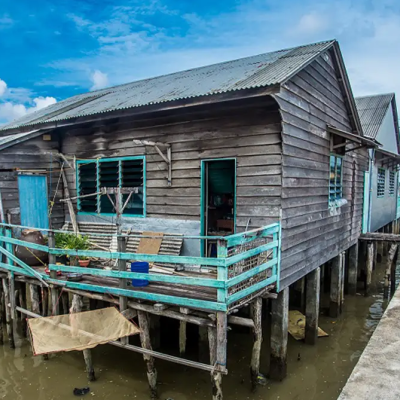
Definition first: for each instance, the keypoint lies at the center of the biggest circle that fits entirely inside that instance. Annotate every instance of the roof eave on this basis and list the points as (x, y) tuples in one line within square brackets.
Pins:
[(152, 108)]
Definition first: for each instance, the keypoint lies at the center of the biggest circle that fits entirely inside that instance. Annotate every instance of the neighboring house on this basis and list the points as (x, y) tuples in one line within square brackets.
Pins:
[(252, 141), (379, 119)]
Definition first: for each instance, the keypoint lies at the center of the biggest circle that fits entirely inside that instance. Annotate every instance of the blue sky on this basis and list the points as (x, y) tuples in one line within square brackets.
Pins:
[(51, 50)]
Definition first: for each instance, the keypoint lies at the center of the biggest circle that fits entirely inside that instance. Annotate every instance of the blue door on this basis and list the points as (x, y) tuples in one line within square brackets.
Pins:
[(33, 201)]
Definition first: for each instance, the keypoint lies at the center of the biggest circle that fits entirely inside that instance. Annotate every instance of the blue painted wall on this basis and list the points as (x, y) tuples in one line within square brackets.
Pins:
[(33, 201)]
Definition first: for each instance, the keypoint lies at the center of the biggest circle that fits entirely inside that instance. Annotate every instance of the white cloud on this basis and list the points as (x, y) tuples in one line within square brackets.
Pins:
[(3, 87), (42, 102), (311, 23), (16, 103), (99, 79)]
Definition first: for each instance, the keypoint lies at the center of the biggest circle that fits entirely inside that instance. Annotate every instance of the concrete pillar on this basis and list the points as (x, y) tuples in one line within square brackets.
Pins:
[(368, 267), (313, 281), (353, 267), (279, 335), (336, 286)]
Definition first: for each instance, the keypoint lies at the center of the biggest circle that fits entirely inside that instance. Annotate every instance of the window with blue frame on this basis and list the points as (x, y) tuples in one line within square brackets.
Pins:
[(335, 178), (392, 182), (122, 172), (381, 182)]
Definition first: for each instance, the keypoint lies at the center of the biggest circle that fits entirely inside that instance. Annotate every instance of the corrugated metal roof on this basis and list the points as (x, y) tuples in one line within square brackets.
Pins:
[(372, 111), (246, 73), (8, 140)]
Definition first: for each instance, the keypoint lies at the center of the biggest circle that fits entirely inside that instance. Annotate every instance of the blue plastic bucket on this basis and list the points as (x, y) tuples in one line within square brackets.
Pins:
[(142, 267)]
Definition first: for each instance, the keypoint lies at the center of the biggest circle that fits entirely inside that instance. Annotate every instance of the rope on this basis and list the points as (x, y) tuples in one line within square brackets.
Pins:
[(56, 191)]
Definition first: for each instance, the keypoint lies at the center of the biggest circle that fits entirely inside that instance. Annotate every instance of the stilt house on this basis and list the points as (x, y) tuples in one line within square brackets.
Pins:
[(379, 119), (214, 150)]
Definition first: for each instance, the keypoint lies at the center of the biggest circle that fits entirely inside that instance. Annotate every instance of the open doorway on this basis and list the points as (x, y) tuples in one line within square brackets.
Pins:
[(218, 204)]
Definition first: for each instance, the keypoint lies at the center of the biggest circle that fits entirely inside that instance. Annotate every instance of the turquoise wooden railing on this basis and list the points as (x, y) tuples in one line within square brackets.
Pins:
[(247, 263)]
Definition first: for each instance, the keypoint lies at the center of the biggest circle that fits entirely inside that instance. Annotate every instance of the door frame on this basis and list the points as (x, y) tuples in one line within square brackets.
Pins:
[(203, 200)]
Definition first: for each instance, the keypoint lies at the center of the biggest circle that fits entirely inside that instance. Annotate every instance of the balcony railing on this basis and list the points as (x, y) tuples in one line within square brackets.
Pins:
[(246, 265)]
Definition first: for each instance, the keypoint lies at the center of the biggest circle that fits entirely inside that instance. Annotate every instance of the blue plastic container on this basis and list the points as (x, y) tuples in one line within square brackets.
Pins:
[(142, 267)]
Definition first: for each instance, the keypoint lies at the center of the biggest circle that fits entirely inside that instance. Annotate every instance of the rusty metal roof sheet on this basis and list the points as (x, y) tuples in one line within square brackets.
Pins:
[(246, 73), (9, 140), (372, 111)]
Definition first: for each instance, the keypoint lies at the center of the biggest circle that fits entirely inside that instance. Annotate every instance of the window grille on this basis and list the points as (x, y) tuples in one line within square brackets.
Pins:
[(92, 175), (336, 178), (381, 182), (392, 180)]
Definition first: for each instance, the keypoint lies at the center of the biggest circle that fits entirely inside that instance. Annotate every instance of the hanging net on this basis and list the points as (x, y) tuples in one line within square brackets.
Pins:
[(79, 331)]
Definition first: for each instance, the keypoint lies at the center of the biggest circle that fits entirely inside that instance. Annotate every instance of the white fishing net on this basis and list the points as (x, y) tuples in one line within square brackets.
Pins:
[(79, 331)]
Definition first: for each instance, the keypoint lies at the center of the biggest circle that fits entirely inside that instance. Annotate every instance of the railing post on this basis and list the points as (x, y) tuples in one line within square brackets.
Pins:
[(123, 301), (222, 271), (53, 274), (9, 298)]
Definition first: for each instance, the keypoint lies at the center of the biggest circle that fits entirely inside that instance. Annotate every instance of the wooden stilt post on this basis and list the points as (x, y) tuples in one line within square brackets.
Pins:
[(35, 305), (203, 345), (218, 357), (313, 282), (342, 281), (9, 322), (155, 331), (385, 244), (375, 262), (76, 307), (279, 335), (182, 337), (368, 267), (22, 303), (216, 379), (65, 302), (393, 273), (45, 301), (336, 286), (389, 269), (146, 344), (353, 267), (256, 313), (121, 244), (55, 307)]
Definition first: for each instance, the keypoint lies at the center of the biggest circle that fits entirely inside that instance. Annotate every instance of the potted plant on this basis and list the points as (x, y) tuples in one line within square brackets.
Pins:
[(70, 241)]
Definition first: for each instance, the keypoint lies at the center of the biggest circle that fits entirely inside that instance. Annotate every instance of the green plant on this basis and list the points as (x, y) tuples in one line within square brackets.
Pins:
[(70, 241)]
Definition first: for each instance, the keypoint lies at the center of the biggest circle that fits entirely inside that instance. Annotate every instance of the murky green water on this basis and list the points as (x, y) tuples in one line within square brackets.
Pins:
[(314, 372)]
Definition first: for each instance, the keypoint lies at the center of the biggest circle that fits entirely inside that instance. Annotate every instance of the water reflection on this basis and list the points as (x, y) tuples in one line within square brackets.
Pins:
[(317, 372)]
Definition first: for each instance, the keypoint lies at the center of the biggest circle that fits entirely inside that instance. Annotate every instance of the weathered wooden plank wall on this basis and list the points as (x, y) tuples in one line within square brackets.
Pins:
[(313, 234), (34, 154), (251, 135)]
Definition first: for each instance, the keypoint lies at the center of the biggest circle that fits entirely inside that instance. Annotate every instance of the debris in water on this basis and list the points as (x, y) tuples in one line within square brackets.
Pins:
[(81, 392), (261, 380)]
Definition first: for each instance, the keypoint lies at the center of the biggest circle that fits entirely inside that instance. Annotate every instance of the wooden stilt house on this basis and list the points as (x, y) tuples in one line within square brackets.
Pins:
[(379, 119), (257, 163), (216, 149)]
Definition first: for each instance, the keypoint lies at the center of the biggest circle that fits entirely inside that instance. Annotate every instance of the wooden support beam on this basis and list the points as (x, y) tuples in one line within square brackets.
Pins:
[(256, 313), (76, 307), (2, 314), (279, 335), (389, 269), (146, 344), (123, 301), (313, 282), (336, 286), (342, 281), (182, 337), (22, 303), (368, 268), (203, 345), (55, 307), (353, 269), (9, 322)]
